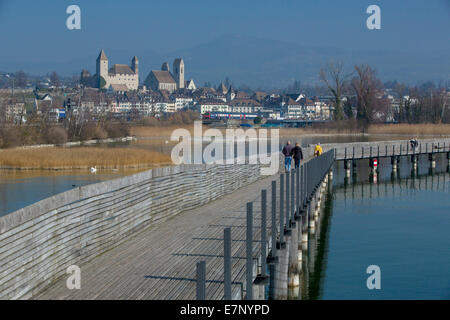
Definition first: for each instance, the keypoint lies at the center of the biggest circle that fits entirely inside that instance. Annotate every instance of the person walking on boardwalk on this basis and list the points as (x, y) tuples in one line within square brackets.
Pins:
[(318, 150), (297, 154), (287, 156), (414, 143)]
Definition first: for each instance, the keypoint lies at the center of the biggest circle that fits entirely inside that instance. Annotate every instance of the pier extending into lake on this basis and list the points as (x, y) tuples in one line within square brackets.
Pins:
[(351, 152), (184, 232)]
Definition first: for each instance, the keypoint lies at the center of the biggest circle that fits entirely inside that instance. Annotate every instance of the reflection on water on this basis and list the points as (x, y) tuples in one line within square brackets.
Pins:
[(397, 221), (19, 189)]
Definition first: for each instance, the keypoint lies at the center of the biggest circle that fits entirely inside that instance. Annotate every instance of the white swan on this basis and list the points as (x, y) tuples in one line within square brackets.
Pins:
[(94, 169)]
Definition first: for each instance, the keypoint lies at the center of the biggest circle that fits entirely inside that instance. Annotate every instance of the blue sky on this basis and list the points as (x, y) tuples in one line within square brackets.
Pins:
[(35, 30)]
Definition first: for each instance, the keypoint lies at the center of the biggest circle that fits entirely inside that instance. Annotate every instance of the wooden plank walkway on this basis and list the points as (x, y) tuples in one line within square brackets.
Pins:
[(160, 262)]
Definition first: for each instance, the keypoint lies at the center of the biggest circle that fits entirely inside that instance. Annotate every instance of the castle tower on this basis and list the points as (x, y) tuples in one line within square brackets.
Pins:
[(165, 67), (102, 66), (178, 72), (135, 65)]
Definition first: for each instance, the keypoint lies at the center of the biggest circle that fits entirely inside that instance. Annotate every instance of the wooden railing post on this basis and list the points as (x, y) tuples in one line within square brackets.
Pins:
[(263, 232), (249, 252), (201, 280), (227, 263)]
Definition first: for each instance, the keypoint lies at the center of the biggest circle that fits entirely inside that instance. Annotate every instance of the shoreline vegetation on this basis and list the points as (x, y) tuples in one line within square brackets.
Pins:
[(342, 128), (80, 158)]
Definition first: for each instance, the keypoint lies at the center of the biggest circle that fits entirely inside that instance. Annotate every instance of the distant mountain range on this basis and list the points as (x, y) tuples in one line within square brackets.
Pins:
[(260, 62)]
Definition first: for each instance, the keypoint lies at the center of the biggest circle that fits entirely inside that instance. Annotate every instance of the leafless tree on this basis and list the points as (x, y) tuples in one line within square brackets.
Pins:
[(54, 80), (336, 80), (444, 98), (368, 90), (21, 79)]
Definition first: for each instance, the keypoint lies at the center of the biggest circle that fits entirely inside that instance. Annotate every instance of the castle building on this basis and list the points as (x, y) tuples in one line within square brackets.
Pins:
[(118, 74)]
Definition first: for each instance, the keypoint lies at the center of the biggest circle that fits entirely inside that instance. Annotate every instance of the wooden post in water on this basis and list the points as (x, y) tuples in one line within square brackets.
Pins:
[(394, 163), (432, 158)]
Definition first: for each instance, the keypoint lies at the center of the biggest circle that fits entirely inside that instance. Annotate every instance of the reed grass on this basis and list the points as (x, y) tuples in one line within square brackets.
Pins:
[(158, 131), (81, 158), (345, 127), (410, 129)]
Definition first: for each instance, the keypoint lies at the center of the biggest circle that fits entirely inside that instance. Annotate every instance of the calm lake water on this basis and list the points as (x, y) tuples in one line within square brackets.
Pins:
[(19, 189), (399, 222)]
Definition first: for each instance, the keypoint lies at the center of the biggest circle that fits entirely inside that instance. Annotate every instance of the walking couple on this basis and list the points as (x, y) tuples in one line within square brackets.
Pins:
[(290, 152)]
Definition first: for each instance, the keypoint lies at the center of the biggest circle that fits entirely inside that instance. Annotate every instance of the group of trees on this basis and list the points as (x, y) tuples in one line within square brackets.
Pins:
[(363, 85), (419, 106), (38, 130), (363, 91)]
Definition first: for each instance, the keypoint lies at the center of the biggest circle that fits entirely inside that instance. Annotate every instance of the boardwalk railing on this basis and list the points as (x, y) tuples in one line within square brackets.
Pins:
[(39, 242), (379, 149), (296, 190)]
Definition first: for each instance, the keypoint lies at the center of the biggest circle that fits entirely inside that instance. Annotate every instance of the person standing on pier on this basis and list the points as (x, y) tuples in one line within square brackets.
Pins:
[(287, 156), (414, 143), (318, 150), (297, 154)]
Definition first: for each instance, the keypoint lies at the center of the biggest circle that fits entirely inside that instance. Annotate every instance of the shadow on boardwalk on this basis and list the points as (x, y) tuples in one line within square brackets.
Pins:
[(160, 262)]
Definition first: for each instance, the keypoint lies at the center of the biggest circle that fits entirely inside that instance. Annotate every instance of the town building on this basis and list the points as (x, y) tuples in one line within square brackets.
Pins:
[(211, 105), (244, 105), (292, 109)]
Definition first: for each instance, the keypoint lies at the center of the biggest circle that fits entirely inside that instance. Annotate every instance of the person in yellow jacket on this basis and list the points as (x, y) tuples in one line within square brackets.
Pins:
[(318, 150)]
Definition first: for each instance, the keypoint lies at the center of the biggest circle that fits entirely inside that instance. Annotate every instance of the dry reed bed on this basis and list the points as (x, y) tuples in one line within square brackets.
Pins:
[(341, 128), (163, 131), (412, 129), (81, 158)]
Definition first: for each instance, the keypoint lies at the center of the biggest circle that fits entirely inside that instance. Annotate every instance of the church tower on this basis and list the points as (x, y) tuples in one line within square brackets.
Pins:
[(135, 65), (178, 72), (165, 67)]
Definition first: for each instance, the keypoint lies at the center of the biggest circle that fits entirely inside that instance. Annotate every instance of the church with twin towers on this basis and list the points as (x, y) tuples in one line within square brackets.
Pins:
[(122, 77)]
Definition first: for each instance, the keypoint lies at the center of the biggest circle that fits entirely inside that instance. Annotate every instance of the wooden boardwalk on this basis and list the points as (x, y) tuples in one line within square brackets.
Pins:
[(160, 262), (382, 149)]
